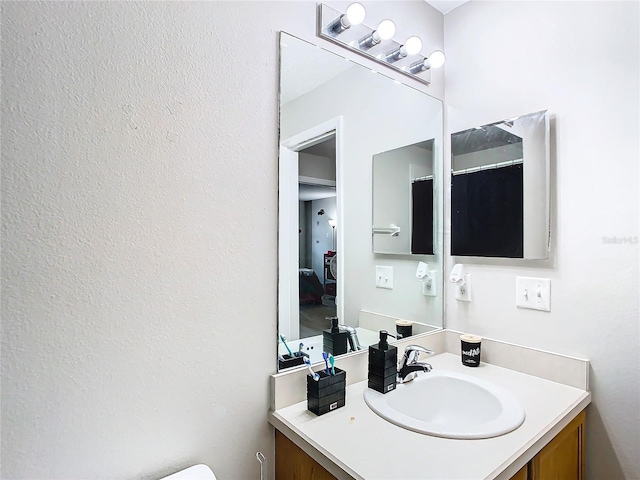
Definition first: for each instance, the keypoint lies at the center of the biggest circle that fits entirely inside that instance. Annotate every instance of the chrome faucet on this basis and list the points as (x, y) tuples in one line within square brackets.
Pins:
[(354, 343), (410, 366)]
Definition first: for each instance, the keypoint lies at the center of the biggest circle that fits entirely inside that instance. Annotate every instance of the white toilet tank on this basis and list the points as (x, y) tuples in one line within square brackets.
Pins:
[(197, 472)]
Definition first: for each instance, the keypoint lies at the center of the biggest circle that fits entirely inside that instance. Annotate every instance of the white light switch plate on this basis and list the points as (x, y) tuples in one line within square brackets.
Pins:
[(533, 293), (384, 277)]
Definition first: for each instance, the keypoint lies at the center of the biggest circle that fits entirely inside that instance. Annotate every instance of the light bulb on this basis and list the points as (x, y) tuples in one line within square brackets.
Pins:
[(436, 59), (413, 45), (354, 16), (355, 13), (386, 29)]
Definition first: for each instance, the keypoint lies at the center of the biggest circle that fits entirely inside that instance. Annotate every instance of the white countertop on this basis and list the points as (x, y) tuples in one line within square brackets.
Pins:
[(354, 442)]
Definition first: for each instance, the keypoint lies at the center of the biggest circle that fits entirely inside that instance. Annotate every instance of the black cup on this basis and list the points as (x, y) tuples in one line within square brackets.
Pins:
[(470, 349), (404, 329)]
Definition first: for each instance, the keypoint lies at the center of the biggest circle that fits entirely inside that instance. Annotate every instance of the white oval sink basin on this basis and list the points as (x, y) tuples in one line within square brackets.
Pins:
[(450, 405)]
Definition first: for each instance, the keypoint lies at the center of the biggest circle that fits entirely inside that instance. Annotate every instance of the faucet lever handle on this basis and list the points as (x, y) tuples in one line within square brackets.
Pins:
[(418, 348), (411, 353)]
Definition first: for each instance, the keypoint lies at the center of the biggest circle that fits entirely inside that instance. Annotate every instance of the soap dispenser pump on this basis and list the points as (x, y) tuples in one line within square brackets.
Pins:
[(383, 360)]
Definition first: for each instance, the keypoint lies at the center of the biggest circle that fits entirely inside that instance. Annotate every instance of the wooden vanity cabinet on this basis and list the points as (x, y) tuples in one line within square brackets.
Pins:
[(523, 473), (561, 459), (292, 463)]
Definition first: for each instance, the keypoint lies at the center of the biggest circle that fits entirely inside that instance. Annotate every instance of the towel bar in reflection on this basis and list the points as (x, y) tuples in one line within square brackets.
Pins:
[(392, 230)]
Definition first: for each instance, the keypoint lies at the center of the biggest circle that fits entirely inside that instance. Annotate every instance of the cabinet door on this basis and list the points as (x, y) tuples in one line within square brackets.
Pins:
[(521, 475), (562, 458), (292, 463)]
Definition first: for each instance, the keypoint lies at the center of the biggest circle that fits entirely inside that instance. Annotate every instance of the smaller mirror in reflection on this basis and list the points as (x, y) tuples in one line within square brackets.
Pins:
[(403, 200), (500, 189)]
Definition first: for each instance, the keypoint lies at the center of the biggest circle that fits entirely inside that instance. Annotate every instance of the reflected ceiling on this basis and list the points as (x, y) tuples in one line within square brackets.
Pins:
[(445, 6)]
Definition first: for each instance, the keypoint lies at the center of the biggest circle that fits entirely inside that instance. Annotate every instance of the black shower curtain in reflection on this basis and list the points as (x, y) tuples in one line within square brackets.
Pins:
[(486, 213), (422, 217)]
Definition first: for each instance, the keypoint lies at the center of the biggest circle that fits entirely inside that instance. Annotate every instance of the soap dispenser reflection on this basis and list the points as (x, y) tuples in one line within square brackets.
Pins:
[(334, 340)]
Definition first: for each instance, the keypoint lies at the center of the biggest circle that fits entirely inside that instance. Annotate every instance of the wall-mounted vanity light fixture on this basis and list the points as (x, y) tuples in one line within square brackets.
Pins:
[(348, 30)]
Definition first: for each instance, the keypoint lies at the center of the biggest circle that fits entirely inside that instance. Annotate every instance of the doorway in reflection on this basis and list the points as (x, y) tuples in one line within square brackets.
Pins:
[(317, 236)]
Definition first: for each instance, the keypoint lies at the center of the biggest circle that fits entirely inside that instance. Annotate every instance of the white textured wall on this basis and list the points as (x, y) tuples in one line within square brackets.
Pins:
[(139, 164), (133, 207), (580, 60)]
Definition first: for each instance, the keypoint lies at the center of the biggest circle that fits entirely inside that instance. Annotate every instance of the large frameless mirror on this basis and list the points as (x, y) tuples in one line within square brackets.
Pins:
[(336, 118), (500, 189)]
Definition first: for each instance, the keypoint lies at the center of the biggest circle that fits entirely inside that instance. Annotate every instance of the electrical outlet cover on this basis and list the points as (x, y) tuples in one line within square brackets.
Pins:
[(463, 292), (429, 283)]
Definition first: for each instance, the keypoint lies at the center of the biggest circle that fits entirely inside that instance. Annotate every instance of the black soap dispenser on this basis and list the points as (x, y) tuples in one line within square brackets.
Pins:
[(383, 360), (334, 341)]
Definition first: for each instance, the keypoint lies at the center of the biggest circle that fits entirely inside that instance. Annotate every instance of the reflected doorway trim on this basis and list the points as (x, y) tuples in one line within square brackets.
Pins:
[(288, 254)]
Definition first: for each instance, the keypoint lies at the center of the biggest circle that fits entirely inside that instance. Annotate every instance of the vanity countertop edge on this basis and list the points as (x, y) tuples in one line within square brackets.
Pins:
[(354, 442)]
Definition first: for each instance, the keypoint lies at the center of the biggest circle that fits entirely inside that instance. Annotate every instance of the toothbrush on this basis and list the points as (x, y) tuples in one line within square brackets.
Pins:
[(325, 355), (284, 340), (313, 374), (332, 361), (299, 354)]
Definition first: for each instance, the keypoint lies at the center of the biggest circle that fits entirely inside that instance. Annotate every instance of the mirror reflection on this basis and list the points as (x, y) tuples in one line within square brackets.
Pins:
[(403, 200), (335, 116), (500, 189), (317, 213)]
